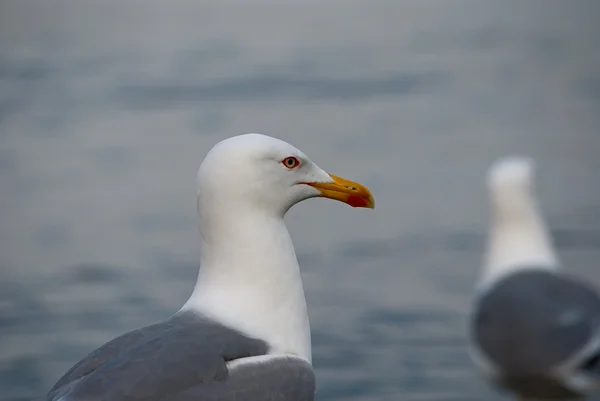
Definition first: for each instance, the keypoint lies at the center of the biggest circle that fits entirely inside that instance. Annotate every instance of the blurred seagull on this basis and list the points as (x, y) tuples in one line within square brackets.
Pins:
[(534, 330)]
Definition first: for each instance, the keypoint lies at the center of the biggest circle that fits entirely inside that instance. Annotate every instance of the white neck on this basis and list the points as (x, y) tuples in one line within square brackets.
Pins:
[(249, 279), (518, 239)]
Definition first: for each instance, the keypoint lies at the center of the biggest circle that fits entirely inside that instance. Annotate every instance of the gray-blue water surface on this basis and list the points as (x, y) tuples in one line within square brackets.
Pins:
[(107, 109)]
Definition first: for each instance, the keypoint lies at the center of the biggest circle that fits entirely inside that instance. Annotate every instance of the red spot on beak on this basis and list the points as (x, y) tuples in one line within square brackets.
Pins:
[(356, 201)]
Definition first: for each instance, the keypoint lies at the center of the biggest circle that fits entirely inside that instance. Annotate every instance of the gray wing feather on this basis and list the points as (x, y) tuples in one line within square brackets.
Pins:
[(184, 355), (534, 320), (98, 357), (281, 380)]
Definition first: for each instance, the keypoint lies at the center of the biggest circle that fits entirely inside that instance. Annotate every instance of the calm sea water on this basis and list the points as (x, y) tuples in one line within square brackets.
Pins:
[(107, 109)]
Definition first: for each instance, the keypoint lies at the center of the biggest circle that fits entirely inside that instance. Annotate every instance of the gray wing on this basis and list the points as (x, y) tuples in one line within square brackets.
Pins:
[(184, 357), (282, 378), (534, 321)]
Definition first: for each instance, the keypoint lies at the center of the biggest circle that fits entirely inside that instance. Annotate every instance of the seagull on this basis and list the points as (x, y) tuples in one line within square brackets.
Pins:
[(534, 329), (244, 332)]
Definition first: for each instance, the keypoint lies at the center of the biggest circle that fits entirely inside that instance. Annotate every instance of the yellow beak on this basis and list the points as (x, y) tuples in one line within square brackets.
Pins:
[(343, 190)]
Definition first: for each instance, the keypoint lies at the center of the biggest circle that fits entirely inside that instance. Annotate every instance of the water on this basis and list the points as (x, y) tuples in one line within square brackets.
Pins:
[(107, 109)]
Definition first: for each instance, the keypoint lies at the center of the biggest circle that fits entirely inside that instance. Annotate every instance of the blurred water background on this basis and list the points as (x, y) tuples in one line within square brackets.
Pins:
[(108, 107)]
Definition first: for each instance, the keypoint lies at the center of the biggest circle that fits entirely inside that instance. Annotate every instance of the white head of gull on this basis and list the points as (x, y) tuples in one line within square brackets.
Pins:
[(518, 235), (249, 277)]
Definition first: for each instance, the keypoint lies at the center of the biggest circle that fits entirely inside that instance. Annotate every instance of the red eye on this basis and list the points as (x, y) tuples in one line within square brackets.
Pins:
[(290, 162)]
